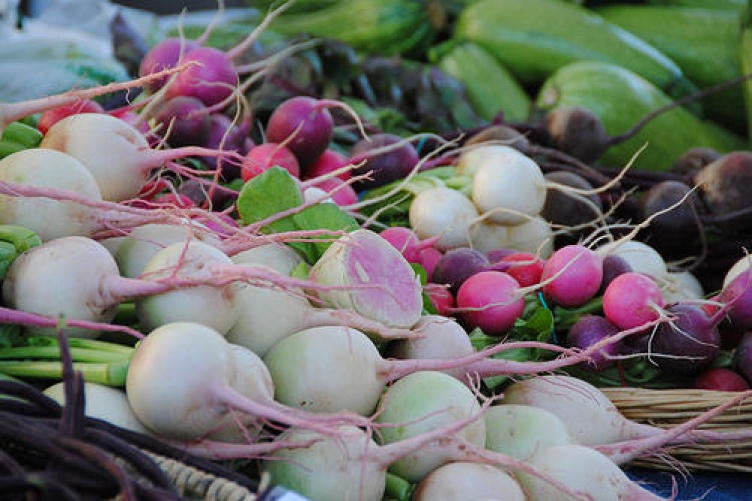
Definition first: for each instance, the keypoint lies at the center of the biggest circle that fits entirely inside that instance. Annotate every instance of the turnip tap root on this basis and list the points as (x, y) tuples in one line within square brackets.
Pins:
[(180, 380), (139, 246), (590, 417), (422, 401), (520, 431), (464, 480), (103, 402), (363, 258), (444, 213), (209, 305), (63, 277), (49, 218), (117, 154), (583, 470)]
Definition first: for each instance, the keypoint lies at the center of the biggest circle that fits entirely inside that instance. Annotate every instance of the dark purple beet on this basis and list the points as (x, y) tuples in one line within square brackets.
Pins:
[(613, 266), (672, 231), (456, 265), (225, 134), (304, 125), (688, 343), (184, 119), (577, 131), (212, 80), (587, 331), (162, 56), (739, 293), (386, 166), (742, 360)]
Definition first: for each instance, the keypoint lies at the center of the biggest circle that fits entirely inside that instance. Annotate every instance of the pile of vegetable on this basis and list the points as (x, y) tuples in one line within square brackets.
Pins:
[(388, 281)]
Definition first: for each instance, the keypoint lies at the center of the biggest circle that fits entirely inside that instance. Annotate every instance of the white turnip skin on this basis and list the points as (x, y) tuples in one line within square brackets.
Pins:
[(139, 246), (444, 213), (391, 292), (462, 481), (118, 155), (534, 236), (583, 470), (520, 431), (208, 305), (508, 187), (40, 167), (183, 390), (641, 257), (103, 402)]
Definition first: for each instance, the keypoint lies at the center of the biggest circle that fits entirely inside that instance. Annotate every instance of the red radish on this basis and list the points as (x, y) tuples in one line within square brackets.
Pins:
[(490, 300), (524, 267), (429, 258), (737, 294), (342, 193), (572, 275), (632, 299), (441, 298), (329, 161), (720, 379), (264, 156), (49, 117)]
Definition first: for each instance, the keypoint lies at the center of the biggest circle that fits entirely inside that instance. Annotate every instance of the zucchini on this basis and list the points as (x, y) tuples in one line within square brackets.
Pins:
[(620, 98)]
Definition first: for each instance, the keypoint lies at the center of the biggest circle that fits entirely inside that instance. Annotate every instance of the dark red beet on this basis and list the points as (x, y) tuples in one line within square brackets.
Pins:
[(385, 166), (162, 56), (184, 119), (588, 330), (720, 379), (304, 125), (456, 265), (225, 134), (688, 343), (674, 230)]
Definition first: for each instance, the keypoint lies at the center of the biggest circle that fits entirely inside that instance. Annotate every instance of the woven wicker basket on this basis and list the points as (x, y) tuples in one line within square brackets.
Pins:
[(666, 408)]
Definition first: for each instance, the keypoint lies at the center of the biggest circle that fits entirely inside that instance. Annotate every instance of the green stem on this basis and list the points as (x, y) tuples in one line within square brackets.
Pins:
[(110, 374)]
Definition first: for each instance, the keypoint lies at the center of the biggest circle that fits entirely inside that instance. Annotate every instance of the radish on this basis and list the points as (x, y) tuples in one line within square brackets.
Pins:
[(420, 402), (583, 470), (139, 246), (457, 265), (263, 157), (212, 80), (103, 402), (463, 480), (507, 185), (52, 115), (304, 125), (534, 235), (384, 157), (588, 330), (524, 267), (572, 276), (117, 155), (490, 300), (329, 161), (632, 299), (182, 121), (391, 290), (690, 342), (208, 305), (444, 213), (47, 217), (164, 55), (520, 431), (180, 385)]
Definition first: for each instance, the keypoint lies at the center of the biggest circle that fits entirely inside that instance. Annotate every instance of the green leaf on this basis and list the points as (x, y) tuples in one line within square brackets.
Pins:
[(325, 216), (267, 194)]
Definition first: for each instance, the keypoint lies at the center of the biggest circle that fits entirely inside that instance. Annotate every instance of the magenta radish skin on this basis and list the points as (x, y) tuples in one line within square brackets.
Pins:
[(182, 121), (572, 276), (737, 294), (329, 161), (164, 55), (304, 125), (490, 300), (264, 156), (632, 299), (212, 81)]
